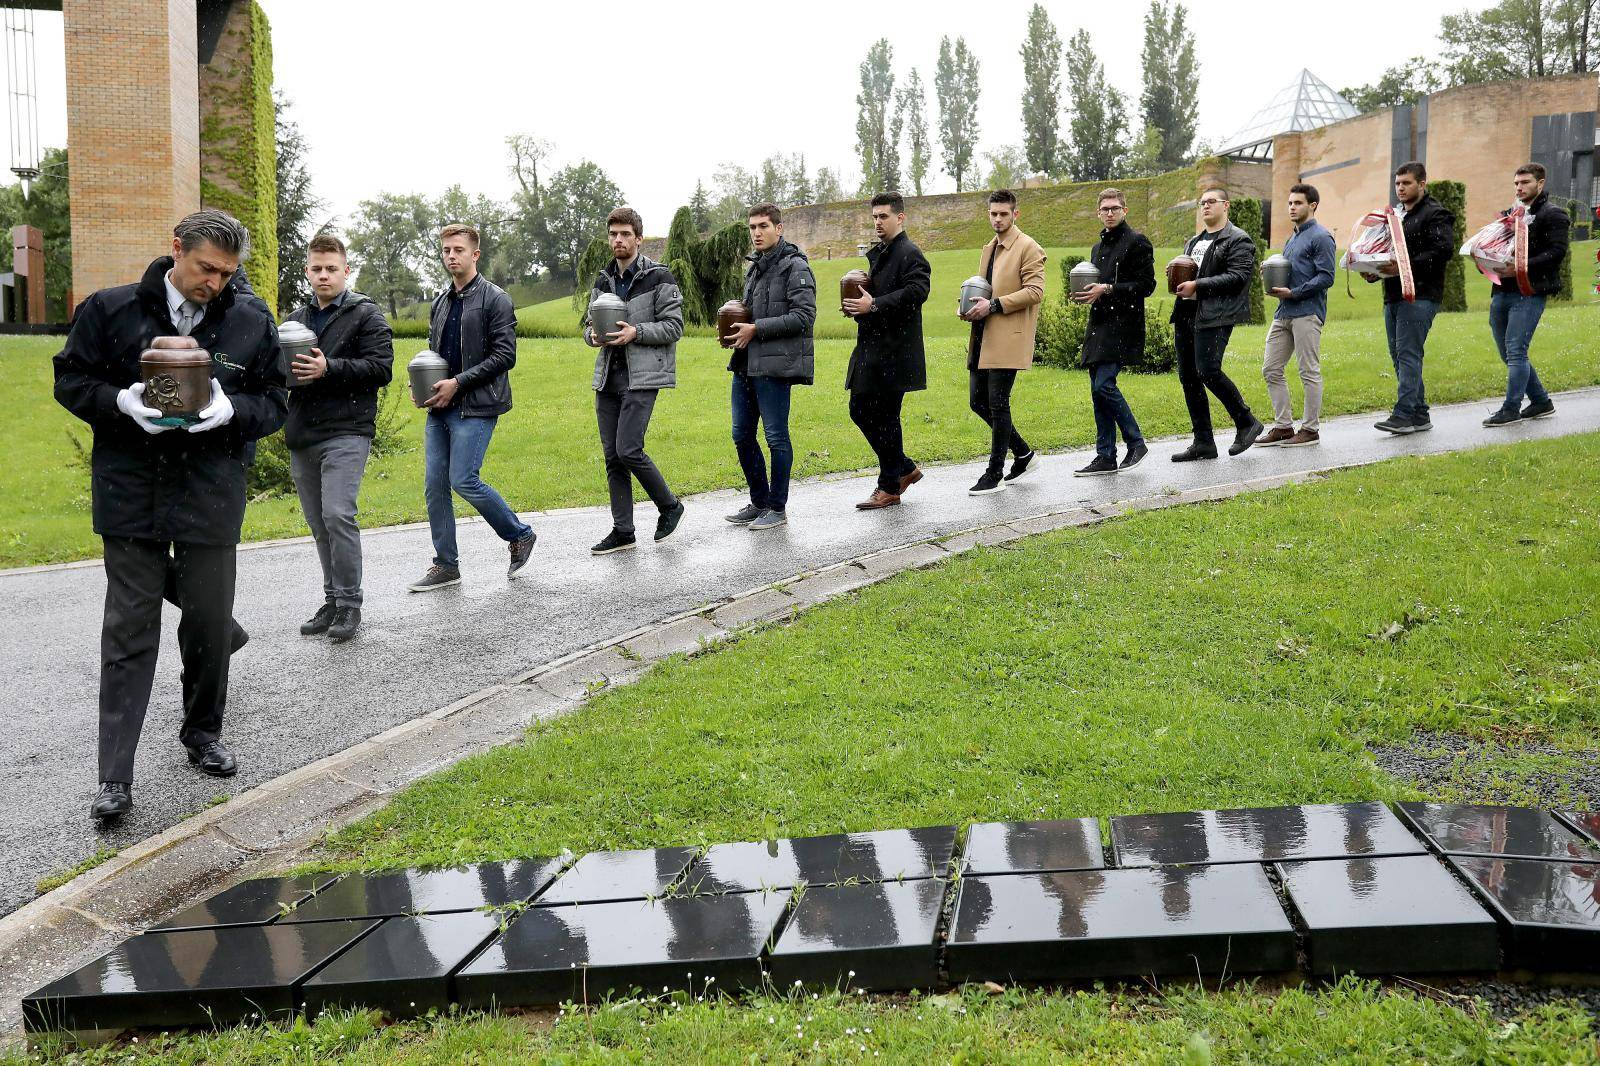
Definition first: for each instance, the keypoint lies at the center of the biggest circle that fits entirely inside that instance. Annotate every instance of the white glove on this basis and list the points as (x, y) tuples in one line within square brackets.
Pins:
[(218, 412), (130, 401)]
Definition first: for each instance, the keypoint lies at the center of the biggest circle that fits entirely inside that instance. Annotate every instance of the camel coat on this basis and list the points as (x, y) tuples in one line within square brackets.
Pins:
[(1018, 281)]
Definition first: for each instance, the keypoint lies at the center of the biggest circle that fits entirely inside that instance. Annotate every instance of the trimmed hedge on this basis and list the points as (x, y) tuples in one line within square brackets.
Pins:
[(1452, 196), (1245, 213), (1063, 324)]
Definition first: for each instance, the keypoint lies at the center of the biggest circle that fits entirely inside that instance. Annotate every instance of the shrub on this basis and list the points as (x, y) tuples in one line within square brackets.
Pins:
[(1062, 325), (1160, 343), (1452, 196), (269, 473), (1245, 213)]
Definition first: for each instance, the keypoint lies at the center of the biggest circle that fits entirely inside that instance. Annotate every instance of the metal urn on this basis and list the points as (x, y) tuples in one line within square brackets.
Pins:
[(1182, 268), (852, 286), (1275, 272), (176, 373), (729, 315), (1083, 277), (974, 289), (426, 370), (295, 340), (607, 312)]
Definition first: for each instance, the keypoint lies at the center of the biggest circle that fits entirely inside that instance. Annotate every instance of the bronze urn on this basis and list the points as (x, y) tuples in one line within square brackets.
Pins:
[(852, 286), (729, 315), (1182, 268), (176, 373)]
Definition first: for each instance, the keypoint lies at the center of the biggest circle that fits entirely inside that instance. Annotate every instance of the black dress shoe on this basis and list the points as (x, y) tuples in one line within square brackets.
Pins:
[(213, 758), (346, 620), (319, 622), (1246, 436), (1195, 451), (669, 521), (114, 799), (240, 639)]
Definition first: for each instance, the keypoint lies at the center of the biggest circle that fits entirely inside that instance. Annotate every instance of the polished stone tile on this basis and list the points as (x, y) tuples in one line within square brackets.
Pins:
[(888, 855), (1092, 924), (1520, 832), (1549, 910), (1585, 822), (254, 902), (193, 977), (872, 936), (609, 876), (1261, 834), (1033, 847), (588, 951), (1400, 914), (403, 967), (465, 888)]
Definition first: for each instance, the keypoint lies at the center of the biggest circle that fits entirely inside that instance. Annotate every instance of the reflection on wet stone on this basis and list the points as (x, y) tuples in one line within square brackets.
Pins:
[(465, 888), (1033, 847), (608, 876), (1587, 823), (889, 855), (254, 902), (1261, 834), (1549, 910), (403, 966), (1492, 830), (878, 936)]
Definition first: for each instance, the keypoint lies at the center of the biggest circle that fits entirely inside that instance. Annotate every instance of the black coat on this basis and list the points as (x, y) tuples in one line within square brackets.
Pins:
[(781, 294), (488, 346), (1127, 263), (1222, 289), (888, 356), (177, 485), (1549, 232), (359, 347), (1430, 244)]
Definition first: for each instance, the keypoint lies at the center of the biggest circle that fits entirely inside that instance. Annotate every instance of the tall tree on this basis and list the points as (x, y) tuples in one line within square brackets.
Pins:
[(1041, 92), (1403, 84), (576, 203), (527, 152), (873, 119), (1169, 101), (955, 83), (46, 206), (829, 189), (389, 241), (296, 204), (911, 102), (700, 208), (1008, 166), (1099, 115), (1520, 39), (800, 191)]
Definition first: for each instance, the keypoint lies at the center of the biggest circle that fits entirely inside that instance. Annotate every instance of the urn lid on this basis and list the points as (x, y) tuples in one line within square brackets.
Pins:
[(1183, 257), (175, 351), (1084, 269), (1275, 258), (427, 359), (733, 308), (856, 275), (977, 282), (292, 332), (608, 299)]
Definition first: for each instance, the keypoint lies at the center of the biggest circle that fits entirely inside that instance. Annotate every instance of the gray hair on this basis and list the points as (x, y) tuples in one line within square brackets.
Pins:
[(217, 228)]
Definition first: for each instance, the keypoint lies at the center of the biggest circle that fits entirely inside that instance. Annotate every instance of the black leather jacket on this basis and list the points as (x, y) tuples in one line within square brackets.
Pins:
[(488, 346)]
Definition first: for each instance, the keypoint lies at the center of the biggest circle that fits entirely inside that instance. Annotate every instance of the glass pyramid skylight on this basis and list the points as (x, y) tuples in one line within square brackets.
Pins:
[(1305, 104)]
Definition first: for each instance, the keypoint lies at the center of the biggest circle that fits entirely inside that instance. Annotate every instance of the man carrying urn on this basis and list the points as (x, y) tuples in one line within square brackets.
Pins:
[(1003, 329), (333, 415), (1297, 325), (1115, 333), (1413, 295), (163, 490), (888, 358)]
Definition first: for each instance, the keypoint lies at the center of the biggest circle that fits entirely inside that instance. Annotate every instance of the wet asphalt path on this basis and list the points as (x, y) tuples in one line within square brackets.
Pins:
[(294, 700)]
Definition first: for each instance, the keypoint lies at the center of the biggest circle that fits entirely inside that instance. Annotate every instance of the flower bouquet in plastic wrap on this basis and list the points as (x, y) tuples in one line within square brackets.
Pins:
[(1378, 242), (1500, 249)]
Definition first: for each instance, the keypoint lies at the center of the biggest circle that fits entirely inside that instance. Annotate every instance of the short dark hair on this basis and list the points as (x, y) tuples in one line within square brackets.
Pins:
[(216, 228), (626, 216), (460, 229), (1003, 196), (1216, 189), (892, 200), (1111, 194), (1534, 170), (1308, 191), (769, 211), (327, 242), (1414, 168)]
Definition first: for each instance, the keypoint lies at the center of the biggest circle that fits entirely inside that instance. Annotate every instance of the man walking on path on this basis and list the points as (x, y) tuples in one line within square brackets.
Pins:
[(771, 353), (1115, 333), (161, 490), (474, 328), (888, 359), (1518, 302), (1203, 319), (1297, 326), (1429, 232), (1003, 330), (633, 365), (333, 416)]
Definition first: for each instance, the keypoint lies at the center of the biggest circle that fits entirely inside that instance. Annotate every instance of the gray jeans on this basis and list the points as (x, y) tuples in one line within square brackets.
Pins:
[(328, 476), (1300, 336), (624, 416)]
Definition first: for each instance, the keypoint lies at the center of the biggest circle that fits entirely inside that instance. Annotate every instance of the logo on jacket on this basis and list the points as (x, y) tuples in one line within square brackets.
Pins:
[(221, 359)]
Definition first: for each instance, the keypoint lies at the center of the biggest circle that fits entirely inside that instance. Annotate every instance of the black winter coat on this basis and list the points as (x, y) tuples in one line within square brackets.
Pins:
[(888, 356), (359, 347), (1222, 290), (781, 293), (177, 485), (488, 347), (1549, 233), (1430, 243), (1127, 263)]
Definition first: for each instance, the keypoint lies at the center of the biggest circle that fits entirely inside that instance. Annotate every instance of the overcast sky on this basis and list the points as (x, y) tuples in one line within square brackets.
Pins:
[(411, 96)]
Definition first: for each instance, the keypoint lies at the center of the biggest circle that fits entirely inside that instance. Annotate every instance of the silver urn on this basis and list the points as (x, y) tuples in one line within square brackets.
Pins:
[(1082, 277), (1275, 272), (974, 289), (426, 370), (606, 313), (295, 339)]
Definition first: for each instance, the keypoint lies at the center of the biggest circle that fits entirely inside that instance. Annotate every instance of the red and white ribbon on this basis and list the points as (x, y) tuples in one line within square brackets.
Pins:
[(1389, 218)]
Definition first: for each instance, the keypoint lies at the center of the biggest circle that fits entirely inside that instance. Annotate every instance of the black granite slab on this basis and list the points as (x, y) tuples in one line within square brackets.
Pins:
[(400, 892), (1519, 832), (1391, 915), (1549, 910), (1092, 924), (610, 876), (403, 967), (589, 951), (872, 936), (254, 902), (1261, 834), (1033, 847), (191, 977), (1585, 822), (888, 855)]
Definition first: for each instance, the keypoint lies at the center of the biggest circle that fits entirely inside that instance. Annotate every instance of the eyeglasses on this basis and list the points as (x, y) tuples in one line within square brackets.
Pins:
[(1113, 209), (1211, 203)]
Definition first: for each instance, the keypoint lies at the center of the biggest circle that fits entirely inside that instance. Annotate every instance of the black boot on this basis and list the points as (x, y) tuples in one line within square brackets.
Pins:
[(319, 622), (114, 799), (346, 620)]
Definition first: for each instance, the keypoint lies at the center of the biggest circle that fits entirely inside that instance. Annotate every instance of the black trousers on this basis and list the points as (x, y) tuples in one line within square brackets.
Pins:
[(130, 640), (877, 416), (989, 396), (1200, 354)]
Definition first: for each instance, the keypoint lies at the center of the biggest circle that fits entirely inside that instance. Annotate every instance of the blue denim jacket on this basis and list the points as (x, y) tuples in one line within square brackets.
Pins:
[(1310, 252)]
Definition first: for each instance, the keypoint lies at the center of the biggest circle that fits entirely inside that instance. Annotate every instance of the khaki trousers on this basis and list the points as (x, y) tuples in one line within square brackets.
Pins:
[(1301, 337)]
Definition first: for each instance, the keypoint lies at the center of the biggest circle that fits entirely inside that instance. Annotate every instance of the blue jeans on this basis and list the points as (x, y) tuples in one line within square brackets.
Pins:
[(1512, 319), (453, 450), (1111, 411), (766, 400), (1407, 325)]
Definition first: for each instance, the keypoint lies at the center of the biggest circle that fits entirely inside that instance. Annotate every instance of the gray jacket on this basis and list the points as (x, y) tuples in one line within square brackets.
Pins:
[(488, 346), (655, 309), (781, 294)]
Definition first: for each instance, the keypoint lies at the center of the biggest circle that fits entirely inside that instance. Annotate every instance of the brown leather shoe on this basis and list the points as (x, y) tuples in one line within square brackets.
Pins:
[(1275, 436), (1303, 438), (909, 480), (878, 501)]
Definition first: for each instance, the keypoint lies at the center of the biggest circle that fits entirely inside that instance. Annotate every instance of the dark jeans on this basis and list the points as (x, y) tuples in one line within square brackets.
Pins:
[(1512, 319), (327, 476), (765, 400), (877, 416), (1111, 412), (130, 640), (624, 416), (989, 396), (1200, 353), (453, 450), (1406, 326)]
